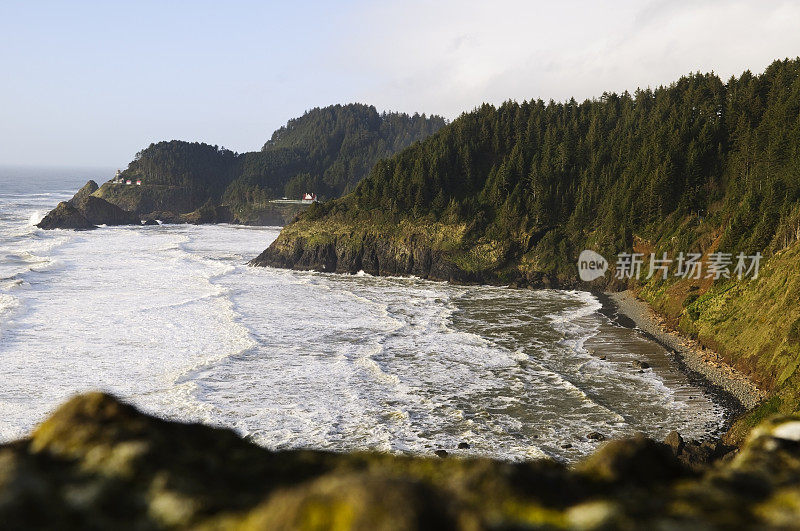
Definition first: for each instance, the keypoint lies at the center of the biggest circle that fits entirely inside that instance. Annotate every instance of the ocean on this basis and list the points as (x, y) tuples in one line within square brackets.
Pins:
[(171, 319)]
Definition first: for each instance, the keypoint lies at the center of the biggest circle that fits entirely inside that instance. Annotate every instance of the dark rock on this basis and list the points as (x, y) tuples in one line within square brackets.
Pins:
[(208, 213), (637, 460), (163, 216), (150, 223), (97, 463), (596, 436), (84, 211), (100, 212), (639, 364), (697, 456), (88, 189), (463, 446), (603, 357), (566, 446), (377, 255), (674, 441), (441, 453), (694, 455), (65, 216)]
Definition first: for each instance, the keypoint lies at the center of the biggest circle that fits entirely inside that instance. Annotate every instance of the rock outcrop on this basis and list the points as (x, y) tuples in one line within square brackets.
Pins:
[(371, 254), (88, 189), (85, 210), (208, 213), (100, 212), (99, 463), (432, 251), (65, 216)]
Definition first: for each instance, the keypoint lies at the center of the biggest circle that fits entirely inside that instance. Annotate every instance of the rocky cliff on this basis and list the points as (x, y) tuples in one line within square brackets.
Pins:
[(366, 252), (99, 463), (88, 189), (65, 216), (432, 251), (85, 210)]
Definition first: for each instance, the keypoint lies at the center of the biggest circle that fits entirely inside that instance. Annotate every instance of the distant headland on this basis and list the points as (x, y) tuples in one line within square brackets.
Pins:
[(322, 154)]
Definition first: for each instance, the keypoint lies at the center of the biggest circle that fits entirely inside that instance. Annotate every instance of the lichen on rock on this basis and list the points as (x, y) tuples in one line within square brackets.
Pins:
[(100, 463)]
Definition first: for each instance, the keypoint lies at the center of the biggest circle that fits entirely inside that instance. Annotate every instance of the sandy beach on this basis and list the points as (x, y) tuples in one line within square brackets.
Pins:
[(693, 356)]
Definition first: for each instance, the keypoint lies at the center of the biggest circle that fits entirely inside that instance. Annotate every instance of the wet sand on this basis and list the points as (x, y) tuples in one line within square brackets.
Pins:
[(730, 386), (620, 343)]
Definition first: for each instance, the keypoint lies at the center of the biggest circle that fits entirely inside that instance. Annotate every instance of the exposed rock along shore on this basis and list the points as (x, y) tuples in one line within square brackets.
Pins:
[(374, 255), (93, 205), (85, 211), (696, 358), (384, 257)]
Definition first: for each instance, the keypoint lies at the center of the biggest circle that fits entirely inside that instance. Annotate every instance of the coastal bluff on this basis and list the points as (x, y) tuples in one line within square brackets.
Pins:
[(100, 463), (120, 204), (436, 251)]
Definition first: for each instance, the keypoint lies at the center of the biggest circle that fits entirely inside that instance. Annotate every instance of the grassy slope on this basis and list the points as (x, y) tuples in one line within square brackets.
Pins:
[(753, 324)]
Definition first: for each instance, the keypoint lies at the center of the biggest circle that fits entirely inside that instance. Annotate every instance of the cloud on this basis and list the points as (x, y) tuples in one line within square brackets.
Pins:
[(91, 86), (452, 56)]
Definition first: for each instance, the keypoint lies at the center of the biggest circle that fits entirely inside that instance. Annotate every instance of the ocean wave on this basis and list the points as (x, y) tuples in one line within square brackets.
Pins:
[(35, 218), (173, 321)]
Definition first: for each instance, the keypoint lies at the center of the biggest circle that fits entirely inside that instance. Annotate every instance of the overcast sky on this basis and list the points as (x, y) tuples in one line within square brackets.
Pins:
[(91, 83)]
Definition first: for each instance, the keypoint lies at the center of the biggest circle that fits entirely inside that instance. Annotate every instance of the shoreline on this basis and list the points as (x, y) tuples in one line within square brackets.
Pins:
[(734, 392), (705, 368)]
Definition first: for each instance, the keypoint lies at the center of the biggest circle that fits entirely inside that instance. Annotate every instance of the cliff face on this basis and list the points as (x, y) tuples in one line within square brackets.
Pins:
[(266, 214), (99, 463), (366, 252), (85, 211), (65, 216), (88, 189), (152, 198), (432, 251)]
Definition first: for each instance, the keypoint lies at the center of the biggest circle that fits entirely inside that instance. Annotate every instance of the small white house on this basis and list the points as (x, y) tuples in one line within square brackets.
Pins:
[(128, 181), (138, 182)]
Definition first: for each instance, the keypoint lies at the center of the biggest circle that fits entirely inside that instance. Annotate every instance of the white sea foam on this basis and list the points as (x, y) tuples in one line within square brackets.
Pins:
[(173, 320), (35, 218)]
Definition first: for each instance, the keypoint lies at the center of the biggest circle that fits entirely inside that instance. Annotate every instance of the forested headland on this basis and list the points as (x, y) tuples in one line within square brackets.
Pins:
[(327, 151)]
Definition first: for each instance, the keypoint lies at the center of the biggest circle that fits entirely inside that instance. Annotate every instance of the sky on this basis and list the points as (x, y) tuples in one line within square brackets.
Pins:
[(91, 83)]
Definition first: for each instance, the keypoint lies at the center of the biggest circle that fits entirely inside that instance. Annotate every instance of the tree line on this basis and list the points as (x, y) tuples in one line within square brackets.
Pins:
[(326, 151), (551, 178)]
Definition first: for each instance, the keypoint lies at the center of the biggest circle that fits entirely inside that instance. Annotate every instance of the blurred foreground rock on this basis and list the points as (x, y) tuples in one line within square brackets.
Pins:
[(99, 463)]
